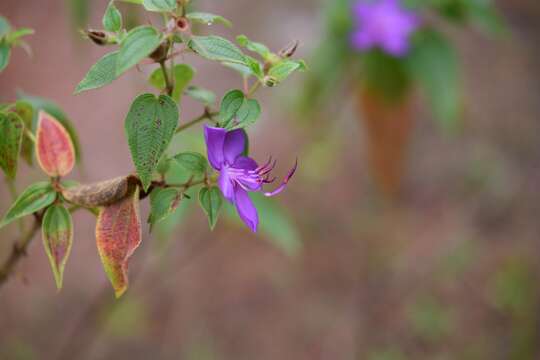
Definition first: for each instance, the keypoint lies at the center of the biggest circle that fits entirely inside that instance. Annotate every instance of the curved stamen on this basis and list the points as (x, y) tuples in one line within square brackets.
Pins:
[(283, 184)]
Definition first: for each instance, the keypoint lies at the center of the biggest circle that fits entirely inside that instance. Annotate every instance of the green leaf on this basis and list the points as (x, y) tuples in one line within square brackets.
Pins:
[(192, 161), (137, 45), (384, 75), (100, 74), (285, 68), (255, 67), (433, 63), (255, 47), (211, 201), (216, 48), (163, 202), (248, 114), (207, 18), (484, 14), (112, 20), (26, 112), (57, 232), (183, 74), (230, 104), (53, 109), (5, 53), (207, 97), (159, 5), (11, 128), (33, 199), (5, 27), (150, 126), (136, 2)]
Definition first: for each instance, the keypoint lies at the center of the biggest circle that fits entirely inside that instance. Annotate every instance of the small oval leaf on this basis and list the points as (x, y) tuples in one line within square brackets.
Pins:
[(100, 74), (11, 135), (207, 18), (211, 201), (118, 234), (163, 202), (55, 151), (33, 199), (159, 5), (57, 232), (217, 48), (137, 45), (150, 126), (26, 112), (183, 74), (192, 161), (112, 20)]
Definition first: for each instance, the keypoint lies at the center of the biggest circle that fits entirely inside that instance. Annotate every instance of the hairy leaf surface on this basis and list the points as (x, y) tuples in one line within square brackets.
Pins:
[(11, 135), (33, 199), (54, 149), (57, 232), (118, 234), (150, 126)]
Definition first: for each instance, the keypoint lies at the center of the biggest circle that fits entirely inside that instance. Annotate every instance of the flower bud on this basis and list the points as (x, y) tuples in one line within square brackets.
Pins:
[(99, 37), (270, 81), (182, 24), (289, 50)]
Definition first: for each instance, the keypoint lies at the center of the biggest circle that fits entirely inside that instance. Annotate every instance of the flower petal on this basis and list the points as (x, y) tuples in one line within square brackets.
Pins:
[(246, 163), (225, 185), (215, 139), (235, 143), (246, 209)]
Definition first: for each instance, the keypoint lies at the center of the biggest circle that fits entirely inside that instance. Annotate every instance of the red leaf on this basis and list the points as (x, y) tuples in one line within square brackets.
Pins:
[(118, 234), (55, 151)]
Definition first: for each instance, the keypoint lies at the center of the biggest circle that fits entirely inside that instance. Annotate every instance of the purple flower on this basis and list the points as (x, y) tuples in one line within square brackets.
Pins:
[(385, 24), (239, 174)]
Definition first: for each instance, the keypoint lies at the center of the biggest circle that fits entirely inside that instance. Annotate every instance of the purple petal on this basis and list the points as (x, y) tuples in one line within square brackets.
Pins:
[(226, 186), (246, 163), (215, 140), (283, 185), (396, 46), (235, 143), (246, 209)]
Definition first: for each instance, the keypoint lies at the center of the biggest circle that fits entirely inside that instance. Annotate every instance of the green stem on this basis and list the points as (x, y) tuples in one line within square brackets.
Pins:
[(253, 89), (206, 115), (168, 84)]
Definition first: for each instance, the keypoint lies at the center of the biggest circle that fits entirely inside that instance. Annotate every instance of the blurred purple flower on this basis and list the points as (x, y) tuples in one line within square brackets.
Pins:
[(385, 24), (239, 174)]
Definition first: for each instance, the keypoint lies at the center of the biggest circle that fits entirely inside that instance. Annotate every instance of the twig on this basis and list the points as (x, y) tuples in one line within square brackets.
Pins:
[(168, 83), (206, 115), (18, 251)]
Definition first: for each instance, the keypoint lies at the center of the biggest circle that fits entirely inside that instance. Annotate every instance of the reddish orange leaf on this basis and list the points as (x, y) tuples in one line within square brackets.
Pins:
[(118, 234), (54, 148)]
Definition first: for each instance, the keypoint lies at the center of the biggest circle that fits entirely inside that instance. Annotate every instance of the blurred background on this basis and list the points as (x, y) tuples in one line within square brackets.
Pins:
[(448, 269)]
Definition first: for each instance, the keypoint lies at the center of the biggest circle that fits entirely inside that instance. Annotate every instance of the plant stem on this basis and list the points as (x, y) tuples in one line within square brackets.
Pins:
[(168, 84), (206, 115), (253, 89), (18, 251)]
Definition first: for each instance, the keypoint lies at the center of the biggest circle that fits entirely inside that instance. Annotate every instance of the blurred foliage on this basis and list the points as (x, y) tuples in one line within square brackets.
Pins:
[(431, 64), (79, 11), (16, 349), (430, 319), (126, 319), (387, 354)]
